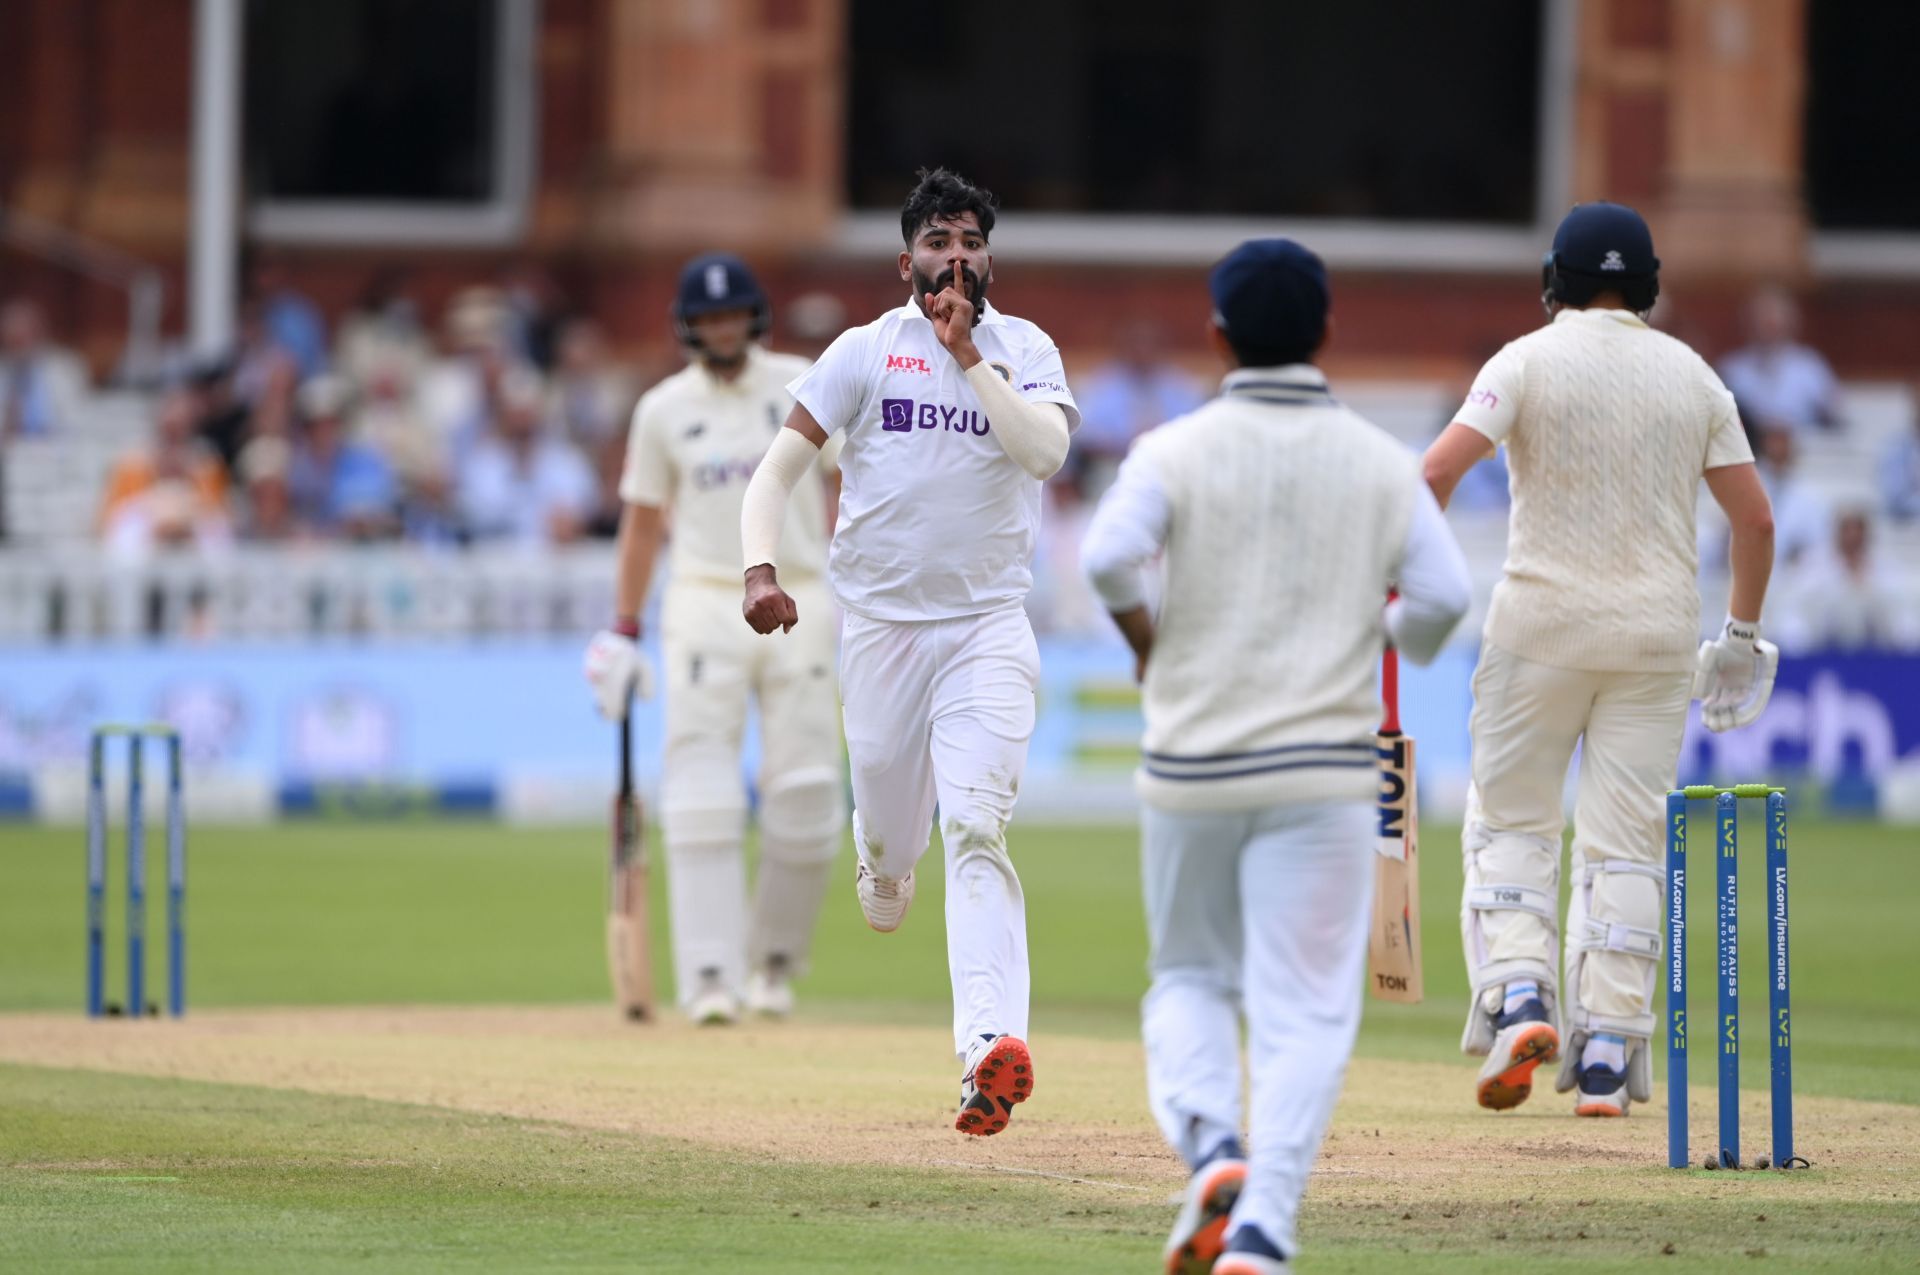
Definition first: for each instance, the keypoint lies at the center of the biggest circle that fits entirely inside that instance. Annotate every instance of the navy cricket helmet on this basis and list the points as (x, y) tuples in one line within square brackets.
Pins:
[(715, 281), (1601, 247)]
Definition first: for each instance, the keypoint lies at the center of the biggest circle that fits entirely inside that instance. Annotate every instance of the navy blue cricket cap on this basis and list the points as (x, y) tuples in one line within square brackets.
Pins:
[(1271, 295), (1605, 239)]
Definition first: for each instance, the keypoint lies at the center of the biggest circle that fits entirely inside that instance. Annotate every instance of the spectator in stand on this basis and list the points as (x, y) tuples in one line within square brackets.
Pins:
[(592, 396), (1802, 520), (1842, 598), (222, 420), (592, 401), (390, 421), (383, 337), (267, 505), (339, 487), (522, 483), (459, 394), (42, 386), (536, 311), (1122, 399), (1775, 378), (290, 321), (1900, 469), (172, 492)]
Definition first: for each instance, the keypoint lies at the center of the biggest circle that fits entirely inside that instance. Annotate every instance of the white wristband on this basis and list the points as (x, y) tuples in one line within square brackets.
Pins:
[(763, 511), (1745, 632)]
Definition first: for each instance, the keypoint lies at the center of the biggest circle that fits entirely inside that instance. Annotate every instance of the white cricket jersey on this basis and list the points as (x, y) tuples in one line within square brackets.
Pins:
[(936, 520), (1608, 426), (1284, 519), (695, 442)]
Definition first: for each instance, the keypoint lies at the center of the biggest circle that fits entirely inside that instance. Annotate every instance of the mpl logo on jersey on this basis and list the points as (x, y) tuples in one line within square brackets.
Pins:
[(908, 363), (904, 415)]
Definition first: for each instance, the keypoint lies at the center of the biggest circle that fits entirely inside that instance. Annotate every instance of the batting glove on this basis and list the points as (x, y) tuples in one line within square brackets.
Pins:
[(1734, 676), (617, 672)]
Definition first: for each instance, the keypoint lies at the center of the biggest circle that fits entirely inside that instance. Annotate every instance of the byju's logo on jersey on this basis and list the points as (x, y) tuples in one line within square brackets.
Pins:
[(908, 363), (903, 416)]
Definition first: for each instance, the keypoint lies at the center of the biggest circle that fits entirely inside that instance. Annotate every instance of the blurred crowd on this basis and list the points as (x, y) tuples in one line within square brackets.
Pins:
[(503, 421)]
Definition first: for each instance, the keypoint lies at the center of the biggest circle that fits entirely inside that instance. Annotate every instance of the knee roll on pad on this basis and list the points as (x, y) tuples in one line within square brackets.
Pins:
[(1634, 935), (1506, 872), (721, 824), (800, 814)]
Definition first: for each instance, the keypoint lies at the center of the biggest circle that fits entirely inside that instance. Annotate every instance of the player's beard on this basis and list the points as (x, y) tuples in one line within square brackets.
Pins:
[(975, 290)]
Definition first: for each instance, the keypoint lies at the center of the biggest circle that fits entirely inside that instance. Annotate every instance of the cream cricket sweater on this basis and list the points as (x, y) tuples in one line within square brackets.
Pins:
[(1284, 517), (1608, 426)]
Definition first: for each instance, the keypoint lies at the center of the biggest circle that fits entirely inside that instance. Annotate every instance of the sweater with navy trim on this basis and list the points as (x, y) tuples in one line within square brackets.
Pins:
[(1288, 521)]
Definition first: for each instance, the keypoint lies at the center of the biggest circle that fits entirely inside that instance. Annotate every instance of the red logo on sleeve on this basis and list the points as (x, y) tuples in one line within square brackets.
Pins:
[(908, 363), (1483, 398)]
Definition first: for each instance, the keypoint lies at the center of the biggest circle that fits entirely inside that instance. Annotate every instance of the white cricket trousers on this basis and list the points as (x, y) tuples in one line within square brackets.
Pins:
[(940, 712), (1263, 913), (713, 664), (1526, 719)]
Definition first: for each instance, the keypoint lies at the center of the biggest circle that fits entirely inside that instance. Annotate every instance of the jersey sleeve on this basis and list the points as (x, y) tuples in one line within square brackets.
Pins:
[(647, 477), (1043, 379), (1726, 438), (1493, 404), (834, 389)]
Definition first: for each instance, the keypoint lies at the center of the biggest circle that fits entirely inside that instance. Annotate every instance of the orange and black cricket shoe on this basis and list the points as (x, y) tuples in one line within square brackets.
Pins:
[(999, 1079), (1524, 1039)]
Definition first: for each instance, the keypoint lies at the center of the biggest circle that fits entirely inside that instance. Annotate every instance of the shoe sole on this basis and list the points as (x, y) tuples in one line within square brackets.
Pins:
[(1197, 1254), (1602, 1110), (1539, 1044), (1002, 1079)]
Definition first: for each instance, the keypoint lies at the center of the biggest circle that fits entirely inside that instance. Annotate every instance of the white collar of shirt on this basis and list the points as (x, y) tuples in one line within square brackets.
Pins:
[(1293, 385), (1603, 315), (989, 317)]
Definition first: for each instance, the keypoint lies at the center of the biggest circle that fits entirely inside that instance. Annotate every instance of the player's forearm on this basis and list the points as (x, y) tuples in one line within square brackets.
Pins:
[(1435, 589), (763, 512), (1125, 533), (1136, 626), (1740, 495), (1752, 560), (1034, 435), (639, 547)]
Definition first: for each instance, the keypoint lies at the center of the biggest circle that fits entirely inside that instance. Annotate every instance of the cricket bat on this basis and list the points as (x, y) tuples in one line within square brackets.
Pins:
[(1393, 946), (629, 953)]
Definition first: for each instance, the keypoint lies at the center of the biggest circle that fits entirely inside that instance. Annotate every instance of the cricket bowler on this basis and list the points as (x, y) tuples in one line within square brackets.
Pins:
[(953, 414), (694, 442), (1609, 427), (1284, 519)]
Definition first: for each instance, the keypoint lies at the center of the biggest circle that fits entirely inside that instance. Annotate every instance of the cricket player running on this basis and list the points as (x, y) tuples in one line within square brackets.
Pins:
[(953, 414), (1284, 519), (695, 439), (1609, 427)]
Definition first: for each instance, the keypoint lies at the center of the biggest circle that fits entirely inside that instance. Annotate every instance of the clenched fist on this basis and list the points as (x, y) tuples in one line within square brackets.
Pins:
[(768, 607)]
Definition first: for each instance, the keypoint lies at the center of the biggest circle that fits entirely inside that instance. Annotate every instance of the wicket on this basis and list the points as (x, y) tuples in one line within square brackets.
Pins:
[(1727, 880), (136, 737)]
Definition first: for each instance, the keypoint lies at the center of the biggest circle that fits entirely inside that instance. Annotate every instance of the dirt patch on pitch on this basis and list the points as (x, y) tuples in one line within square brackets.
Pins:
[(808, 1091)]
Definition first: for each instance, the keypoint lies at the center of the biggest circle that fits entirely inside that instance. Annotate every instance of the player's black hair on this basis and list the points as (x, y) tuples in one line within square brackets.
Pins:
[(941, 195), (1272, 355)]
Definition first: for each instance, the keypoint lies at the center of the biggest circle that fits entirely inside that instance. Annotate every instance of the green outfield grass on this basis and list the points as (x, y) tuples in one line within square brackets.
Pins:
[(105, 1171), (475, 913)]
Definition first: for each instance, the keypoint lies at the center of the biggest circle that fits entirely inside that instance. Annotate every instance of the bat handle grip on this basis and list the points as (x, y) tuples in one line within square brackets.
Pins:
[(1390, 692)]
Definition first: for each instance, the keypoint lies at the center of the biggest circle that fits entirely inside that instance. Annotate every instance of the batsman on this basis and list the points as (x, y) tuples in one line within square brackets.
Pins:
[(1590, 639), (695, 441)]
